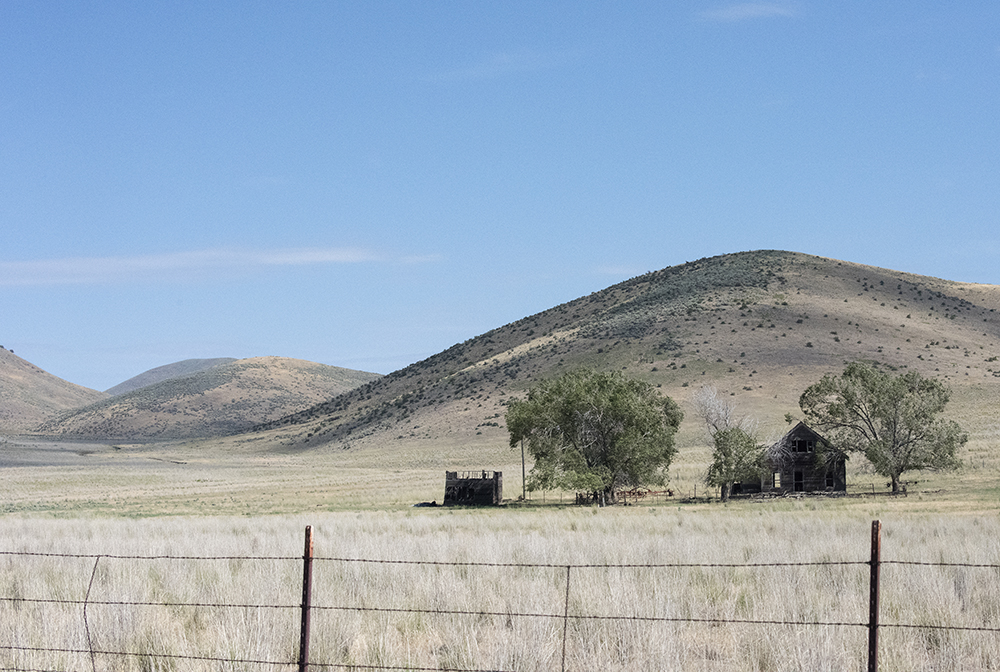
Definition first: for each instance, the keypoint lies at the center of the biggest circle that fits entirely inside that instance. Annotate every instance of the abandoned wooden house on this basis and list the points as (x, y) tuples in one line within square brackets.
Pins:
[(473, 488), (801, 461)]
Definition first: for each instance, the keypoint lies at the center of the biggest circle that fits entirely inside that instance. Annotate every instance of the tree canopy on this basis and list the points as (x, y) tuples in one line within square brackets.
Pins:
[(596, 432), (736, 454), (891, 419)]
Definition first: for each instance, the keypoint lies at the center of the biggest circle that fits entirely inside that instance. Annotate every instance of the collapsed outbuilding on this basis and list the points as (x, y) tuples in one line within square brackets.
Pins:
[(473, 488)]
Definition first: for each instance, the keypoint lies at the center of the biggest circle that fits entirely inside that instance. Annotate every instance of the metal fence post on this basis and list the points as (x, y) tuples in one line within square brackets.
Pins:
[(307, 559), (873, 597)]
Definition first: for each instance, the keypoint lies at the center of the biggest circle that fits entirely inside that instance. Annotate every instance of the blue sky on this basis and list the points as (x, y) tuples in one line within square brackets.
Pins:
[(366, 184)]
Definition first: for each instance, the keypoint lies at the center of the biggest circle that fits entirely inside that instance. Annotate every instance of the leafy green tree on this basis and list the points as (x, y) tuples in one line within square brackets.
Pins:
[(736, 454), (596, 432), (891, 419), (735, 457)]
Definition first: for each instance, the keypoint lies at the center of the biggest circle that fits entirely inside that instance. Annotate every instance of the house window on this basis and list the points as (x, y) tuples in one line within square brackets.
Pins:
[(829, 479), (804, 446), (799, 481), (776, 480)]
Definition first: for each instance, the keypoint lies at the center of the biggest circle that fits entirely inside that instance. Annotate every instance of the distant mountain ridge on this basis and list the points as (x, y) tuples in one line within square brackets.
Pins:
[(165, 372), (29, 395), (223, 399)]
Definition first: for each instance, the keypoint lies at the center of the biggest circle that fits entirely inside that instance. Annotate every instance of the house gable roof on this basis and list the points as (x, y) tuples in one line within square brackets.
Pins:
[(804, 431)]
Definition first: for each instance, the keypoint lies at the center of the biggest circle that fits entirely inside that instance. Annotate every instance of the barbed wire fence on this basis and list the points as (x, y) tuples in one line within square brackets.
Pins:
[(306, 609)]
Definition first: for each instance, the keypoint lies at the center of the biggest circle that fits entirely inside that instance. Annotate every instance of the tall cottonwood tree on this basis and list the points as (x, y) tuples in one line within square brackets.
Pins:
[(890, 419), (736, 454), (596, 432)]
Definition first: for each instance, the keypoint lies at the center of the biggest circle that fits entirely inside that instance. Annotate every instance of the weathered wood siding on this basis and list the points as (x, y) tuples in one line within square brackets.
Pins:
[(473, 488), (802, 461)]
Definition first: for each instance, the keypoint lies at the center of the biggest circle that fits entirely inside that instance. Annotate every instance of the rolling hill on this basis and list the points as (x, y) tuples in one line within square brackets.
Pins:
[(223, 399), (29, 395), (166, 372), (760, 326)]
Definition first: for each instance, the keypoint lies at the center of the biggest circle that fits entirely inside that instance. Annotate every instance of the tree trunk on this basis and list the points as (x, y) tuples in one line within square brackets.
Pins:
[(895, 484), (725, 492)]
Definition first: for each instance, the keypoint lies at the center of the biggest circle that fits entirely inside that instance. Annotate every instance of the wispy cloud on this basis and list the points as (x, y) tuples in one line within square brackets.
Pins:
[(748, 10), (174, 266)]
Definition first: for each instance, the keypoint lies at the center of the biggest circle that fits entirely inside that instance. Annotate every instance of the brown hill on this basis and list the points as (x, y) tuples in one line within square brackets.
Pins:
[(223, 399), (760, 326), (166, 372), (29, 395)]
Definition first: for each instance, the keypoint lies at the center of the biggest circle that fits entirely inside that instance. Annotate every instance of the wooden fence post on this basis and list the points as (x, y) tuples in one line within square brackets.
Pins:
[(307, 559), (565, 620), (873, 596), (86, 623)]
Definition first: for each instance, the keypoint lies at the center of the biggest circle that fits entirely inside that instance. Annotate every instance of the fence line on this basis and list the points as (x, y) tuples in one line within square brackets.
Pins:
[(498, 614), (873, 624), (529, 565)]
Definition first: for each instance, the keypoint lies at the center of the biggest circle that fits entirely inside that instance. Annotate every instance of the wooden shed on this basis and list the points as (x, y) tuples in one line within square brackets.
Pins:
[(801, 461), (473, 488)]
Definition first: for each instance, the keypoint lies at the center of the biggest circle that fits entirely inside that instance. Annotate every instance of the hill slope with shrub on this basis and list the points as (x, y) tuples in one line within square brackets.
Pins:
[(760, 326), (165, 372), (224, 399), (29, 395)]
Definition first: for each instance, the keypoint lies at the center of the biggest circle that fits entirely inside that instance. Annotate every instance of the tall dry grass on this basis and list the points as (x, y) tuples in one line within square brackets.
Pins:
[(419, 636)]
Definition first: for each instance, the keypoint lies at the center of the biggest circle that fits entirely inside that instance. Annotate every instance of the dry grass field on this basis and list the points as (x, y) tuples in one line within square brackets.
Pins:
[(239, 497), (171, 636), (234, 477)]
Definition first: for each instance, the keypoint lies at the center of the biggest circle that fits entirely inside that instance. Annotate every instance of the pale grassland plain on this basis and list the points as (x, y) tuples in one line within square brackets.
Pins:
[(246, 478), (493, 634)]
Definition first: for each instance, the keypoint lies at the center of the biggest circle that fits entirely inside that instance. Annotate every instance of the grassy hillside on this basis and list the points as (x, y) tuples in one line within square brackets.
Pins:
[(221, 400), (760, 326), (29, 395), (166, 372)]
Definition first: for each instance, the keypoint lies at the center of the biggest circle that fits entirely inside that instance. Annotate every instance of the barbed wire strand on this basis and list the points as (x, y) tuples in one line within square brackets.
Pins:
[(282, 663), (384, 667), (125, 603), (93, 556), (445, 612), (508, 614), (917, 563), (528, 565), (177, 656), (594, 566)]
